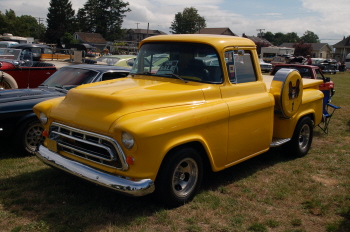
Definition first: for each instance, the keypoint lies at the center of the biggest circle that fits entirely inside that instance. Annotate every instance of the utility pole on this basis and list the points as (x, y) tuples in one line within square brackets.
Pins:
[(137, 25), (261, 34), (39, 22)]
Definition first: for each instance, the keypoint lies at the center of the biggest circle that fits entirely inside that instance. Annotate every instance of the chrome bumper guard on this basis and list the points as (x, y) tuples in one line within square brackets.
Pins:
[(116, 183)]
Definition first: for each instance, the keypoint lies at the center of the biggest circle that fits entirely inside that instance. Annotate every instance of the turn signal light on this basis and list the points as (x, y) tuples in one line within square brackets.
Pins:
[(130, 160), (45, 133)]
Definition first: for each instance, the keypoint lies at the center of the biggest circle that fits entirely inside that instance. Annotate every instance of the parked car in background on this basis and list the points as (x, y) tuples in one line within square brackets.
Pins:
[(347, 61), (17, 119), (6, 44), (265, 67), (18, 70), (35, 49), (327, 66), (117, 60)]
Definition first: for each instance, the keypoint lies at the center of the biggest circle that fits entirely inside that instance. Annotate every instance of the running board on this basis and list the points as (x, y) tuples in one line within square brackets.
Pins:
[(278, 142)]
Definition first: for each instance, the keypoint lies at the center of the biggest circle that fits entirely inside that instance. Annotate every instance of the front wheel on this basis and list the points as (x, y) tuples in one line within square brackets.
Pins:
[(179, 177), (29, 136), (301, 141), (7, 81)]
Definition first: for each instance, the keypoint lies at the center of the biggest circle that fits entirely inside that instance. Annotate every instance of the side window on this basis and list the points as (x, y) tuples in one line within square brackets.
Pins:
[(36, 50), (240, 67), (113, 75)]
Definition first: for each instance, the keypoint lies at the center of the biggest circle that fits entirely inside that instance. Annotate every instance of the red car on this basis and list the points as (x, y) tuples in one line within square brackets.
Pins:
[(310, 72), (18, 70)]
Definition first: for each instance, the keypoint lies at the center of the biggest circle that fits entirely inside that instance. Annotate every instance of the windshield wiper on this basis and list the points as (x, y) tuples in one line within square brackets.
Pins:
[(43, 85), (59, 86), (177, 76)]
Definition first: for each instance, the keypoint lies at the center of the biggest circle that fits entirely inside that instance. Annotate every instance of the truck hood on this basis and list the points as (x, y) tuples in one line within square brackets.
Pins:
[(99, 105)]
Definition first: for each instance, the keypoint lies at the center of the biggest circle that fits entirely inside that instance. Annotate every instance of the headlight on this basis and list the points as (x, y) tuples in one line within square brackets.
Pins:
[(43, 118), (127, 140)]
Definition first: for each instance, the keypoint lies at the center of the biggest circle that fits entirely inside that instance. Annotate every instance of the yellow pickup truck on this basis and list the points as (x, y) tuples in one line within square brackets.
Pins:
[(192, 103)]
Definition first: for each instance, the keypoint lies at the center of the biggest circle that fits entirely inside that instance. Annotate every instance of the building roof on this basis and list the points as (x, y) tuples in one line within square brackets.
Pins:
[(216, 31), (149, 31), (345, 43), (257, 39), (91, 37), (315, 46)]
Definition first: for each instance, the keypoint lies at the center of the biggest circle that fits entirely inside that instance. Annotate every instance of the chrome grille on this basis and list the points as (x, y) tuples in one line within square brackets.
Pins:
[(87, 145)]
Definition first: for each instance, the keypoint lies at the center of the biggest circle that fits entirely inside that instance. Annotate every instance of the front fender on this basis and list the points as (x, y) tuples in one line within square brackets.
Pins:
[(158, 131)]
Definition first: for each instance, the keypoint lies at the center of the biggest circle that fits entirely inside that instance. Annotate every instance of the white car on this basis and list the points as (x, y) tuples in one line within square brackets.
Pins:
[(265, 67)]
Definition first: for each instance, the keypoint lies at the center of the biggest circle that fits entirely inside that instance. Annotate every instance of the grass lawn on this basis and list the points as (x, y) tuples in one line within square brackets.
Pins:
[(271, 192)]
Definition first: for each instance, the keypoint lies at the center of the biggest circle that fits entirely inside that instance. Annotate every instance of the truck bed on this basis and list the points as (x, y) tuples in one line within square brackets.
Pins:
[(307, 83)]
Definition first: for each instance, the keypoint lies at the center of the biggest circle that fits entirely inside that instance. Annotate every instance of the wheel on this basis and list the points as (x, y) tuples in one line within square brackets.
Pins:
[(179, 177), (301, 141), (7, 81), (29, 136)]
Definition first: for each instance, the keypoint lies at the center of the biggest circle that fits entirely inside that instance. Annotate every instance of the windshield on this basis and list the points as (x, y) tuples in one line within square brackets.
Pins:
[(10, 54), (68, 78), (187, 61), (319, 75), (107, 60)]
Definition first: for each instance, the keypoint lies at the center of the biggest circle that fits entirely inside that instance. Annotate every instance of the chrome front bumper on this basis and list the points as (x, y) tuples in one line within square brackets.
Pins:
[(116, 183)]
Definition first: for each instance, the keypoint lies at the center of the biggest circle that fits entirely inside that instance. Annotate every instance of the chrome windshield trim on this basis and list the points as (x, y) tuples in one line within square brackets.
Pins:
[(117, 183)]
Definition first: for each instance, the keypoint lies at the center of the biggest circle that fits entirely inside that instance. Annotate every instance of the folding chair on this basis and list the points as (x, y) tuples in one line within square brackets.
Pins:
[(328, 111)]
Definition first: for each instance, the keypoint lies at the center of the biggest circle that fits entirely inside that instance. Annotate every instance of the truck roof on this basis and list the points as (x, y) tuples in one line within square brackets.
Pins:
[(218, 41)]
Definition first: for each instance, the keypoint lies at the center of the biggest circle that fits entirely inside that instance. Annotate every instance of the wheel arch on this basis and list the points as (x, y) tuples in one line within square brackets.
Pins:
[(197, 145), (11, 81), (26, 117)]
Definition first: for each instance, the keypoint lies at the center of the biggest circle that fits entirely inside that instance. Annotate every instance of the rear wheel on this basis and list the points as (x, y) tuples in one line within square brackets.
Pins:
[(301, 141), (179, 177)]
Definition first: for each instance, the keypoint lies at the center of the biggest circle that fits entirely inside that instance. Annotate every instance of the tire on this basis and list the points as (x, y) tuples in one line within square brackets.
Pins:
[(301, 141), (7, 81), (29, 136), (179, 177)]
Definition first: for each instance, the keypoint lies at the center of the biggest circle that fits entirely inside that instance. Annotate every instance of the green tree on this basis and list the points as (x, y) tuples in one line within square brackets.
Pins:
[(187, 22), (60, 20), (25, 25), (68, 38), (291, 37), (104, 17), (269, 36), (310, 37), (279, 38)]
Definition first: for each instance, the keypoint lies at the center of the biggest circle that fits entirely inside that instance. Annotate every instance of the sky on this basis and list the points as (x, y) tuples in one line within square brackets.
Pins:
[(329, 19)]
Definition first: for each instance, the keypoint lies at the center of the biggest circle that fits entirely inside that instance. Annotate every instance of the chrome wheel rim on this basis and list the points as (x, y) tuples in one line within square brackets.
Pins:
[(34, 136), (185, 177), (304, 137)]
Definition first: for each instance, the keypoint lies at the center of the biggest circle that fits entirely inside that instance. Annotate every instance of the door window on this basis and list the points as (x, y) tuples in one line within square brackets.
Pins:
[(240, 66)]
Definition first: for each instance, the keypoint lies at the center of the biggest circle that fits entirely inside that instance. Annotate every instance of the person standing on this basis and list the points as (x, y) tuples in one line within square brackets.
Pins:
[(105, 52), (308, 60)]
